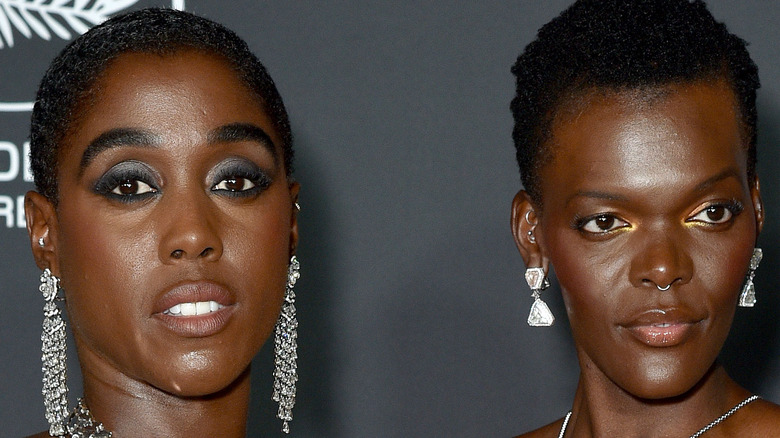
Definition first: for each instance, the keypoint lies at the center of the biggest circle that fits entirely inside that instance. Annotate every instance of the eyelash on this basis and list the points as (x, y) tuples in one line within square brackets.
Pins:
[(733, 207), (142, 178), (246, 171), (126, 172), (579, 223)]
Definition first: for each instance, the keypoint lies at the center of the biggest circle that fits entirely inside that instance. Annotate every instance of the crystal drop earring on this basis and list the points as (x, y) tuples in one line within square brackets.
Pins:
[(748, 296), (55, 389), (540, 315), (285, 350)]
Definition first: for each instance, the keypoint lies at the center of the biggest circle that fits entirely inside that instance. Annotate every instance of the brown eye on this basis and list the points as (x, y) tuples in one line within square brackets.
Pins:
[(234, 184), (132, 187), (714, 214), (603, 223)]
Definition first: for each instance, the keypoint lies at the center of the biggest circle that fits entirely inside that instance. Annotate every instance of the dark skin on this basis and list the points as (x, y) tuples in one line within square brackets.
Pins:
[(643, 193), (181, 198)]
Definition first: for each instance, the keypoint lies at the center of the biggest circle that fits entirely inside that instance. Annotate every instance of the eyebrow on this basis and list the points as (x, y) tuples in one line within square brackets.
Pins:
[(703, 186), (239, 132), (730, 172), (115, 138), (136, 137), (596, 194)]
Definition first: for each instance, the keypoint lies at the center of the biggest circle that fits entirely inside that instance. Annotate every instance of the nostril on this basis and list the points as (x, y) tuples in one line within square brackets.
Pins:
[(177, 254), (207, 252)]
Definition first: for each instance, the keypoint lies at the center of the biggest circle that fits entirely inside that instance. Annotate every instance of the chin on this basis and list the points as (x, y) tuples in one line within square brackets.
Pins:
[(197, 375), (659, 391), (663, 382)]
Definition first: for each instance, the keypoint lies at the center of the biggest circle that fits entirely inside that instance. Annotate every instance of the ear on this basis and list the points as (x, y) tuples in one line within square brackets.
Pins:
[(528, 234), (758, 205), (41, 217), (295, 188)]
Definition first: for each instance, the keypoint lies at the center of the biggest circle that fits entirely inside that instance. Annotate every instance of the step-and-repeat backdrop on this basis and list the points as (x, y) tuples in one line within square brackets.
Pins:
[(411, 304)]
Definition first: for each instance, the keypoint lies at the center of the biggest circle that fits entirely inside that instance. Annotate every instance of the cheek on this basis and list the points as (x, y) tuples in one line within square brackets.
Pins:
[(721, 269), (258, 247), (98, 249), (103, 263), (257, 237), (257, 244), (589, 277)]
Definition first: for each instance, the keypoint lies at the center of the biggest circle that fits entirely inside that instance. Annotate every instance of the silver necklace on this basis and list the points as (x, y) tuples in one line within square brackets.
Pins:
[(704, 429), (81, 424), (565, 423)]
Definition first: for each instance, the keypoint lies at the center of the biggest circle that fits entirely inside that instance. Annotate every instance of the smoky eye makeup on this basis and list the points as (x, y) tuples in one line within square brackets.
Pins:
[(239, 178), (128, 181)]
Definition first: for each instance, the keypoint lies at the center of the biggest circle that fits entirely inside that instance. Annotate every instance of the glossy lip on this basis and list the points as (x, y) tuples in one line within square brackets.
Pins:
[(662, 327), (196, 326)]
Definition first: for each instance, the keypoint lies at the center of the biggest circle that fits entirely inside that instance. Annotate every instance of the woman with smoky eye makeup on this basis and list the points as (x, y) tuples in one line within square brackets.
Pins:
[(165, 221), (635, 129)]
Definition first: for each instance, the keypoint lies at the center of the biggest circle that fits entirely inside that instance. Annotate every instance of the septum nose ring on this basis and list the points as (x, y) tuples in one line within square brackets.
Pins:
[(665, 287)]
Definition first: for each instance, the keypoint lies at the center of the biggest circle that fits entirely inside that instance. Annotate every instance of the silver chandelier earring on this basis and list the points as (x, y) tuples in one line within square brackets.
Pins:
[(540, 315), (55, 389), (748, 296), (285, 350)]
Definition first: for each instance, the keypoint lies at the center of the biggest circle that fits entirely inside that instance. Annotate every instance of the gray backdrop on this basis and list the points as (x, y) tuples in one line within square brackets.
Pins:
[(412, 306)]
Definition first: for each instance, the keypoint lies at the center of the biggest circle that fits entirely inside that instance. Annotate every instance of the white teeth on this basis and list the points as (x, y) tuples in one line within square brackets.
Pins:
[(192, 309), (189, 309)]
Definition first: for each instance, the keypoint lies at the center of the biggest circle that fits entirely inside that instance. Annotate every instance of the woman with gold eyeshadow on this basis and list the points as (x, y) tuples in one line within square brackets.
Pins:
[(635, 129)]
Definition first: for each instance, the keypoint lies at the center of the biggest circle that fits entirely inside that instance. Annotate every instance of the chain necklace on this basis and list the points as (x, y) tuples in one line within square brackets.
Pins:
[(80, 424), (701, 431)]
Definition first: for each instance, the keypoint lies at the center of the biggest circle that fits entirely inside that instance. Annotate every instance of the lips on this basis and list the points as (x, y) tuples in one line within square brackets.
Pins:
[(195, 309), (663, 327)]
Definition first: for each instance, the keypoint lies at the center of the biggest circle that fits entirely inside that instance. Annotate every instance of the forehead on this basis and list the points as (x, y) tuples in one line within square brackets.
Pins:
[(199, 86), (634, 139)]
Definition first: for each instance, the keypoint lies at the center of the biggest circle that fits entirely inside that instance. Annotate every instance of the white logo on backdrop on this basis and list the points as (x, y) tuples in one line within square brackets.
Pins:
[(36, 17)]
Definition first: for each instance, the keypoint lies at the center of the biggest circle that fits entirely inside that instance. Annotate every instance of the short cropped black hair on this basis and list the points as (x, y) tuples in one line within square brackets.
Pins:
[(623, 45), (73, 73)]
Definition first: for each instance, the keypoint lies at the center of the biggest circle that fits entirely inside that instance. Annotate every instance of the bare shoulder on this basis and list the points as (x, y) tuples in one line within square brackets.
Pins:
[(763, 419), (549, 431), (40, 435)]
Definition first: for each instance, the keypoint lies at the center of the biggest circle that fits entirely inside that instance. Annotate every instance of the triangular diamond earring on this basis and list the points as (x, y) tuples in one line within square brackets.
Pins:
[(540, 315), (748, 296)]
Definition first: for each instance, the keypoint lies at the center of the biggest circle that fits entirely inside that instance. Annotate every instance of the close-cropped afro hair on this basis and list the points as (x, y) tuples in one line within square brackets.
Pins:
[(73, 73), (622, 45)]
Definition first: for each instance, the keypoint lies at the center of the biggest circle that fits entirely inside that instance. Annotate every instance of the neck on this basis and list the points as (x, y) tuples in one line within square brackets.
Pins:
[(602, 409), (128, 408)]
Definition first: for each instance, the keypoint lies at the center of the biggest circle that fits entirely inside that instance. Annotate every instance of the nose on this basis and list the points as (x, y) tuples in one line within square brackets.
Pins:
[(661, 262), (189, 230)]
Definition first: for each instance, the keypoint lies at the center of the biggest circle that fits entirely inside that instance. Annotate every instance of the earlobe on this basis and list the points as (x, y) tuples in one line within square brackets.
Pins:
[(42, 226), (524, 223), (295, 188), (758, 205)]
